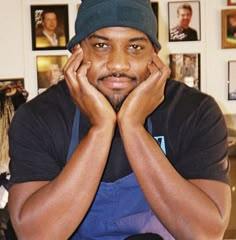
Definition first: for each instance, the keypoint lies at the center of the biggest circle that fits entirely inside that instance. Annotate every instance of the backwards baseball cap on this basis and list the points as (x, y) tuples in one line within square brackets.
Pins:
[(96, 14)]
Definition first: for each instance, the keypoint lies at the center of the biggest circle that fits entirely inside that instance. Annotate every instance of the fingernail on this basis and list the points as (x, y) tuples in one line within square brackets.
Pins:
[(77, 46)]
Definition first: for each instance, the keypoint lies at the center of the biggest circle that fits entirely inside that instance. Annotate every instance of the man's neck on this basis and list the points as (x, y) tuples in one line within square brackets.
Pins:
[(50, 33)]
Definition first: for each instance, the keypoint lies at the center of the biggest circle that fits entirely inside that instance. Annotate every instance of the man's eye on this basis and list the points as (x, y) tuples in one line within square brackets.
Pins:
[(135, 47), (100, 45)]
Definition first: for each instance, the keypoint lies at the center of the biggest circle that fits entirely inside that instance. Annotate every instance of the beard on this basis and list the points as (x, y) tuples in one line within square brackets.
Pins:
[(116, 101)]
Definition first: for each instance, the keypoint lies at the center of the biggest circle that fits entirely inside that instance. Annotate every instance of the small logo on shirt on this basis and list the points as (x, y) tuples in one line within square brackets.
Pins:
[(161, 142)]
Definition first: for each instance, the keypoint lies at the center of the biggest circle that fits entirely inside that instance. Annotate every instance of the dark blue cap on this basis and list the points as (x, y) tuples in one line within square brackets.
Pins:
[(96, 14)]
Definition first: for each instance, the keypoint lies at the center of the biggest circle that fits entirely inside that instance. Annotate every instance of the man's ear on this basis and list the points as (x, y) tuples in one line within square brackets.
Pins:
[(156, 50)]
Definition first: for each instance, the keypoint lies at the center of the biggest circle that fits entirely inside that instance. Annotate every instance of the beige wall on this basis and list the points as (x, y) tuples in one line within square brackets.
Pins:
[(18, 60)]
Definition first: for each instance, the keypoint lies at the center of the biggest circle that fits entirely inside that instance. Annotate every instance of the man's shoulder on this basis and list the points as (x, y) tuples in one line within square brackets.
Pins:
[(179, 90), (54, 101), (183, 101), (192, 30)]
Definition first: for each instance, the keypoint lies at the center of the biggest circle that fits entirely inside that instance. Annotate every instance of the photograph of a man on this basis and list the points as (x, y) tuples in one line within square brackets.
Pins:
[(185, 67), (184, 21), (231, 26), (49, 70), (49, 27), (232, 80)]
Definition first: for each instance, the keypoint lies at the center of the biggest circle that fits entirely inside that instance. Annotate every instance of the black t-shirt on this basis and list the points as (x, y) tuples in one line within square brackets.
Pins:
[(188, 125)]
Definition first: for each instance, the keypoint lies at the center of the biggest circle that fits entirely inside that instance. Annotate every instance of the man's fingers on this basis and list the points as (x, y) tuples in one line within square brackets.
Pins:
[(74, 61), (158, 66)]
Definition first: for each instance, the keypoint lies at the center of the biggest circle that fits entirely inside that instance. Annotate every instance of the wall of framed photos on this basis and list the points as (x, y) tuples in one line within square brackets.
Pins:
[(215, 62)]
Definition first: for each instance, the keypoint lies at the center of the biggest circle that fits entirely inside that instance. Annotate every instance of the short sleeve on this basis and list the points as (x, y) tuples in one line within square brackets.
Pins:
[(31, 148), (203, 148)]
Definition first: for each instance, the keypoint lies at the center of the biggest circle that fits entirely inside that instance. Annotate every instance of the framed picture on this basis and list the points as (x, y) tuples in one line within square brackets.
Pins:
[(185, 67), (155, 8), (49, 25), (49, 70), (231, 2), (11, 86), (232, 80), (184, 21), (228, 18)]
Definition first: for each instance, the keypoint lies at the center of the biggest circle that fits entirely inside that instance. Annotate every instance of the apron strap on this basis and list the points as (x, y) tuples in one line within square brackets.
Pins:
[(75, 134)]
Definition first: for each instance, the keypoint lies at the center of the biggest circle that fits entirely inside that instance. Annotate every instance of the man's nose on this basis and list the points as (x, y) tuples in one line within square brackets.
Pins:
[(118, 61)]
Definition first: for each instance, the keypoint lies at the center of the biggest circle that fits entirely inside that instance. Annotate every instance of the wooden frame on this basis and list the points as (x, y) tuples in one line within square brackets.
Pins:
[(175, 25), (231, 2), (155, 7), (55, 22), (185, 67), (49, 70), (232, 80), (228, 19)]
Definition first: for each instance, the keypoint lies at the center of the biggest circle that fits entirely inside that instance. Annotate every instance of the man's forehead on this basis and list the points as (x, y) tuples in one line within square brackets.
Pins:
[(116, 32)]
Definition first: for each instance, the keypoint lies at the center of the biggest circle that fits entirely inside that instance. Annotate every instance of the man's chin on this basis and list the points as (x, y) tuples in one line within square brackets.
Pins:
[(116, 101)]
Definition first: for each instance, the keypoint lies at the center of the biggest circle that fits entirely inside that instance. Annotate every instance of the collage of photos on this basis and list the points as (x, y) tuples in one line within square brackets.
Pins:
[(124, 148), (50, 31)]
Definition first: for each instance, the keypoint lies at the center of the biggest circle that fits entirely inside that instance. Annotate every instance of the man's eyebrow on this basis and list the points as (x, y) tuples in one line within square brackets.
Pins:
[(98, 37), (135, 39), (138, 39)]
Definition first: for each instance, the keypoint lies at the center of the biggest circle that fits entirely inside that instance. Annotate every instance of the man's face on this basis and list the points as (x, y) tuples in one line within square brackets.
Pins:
[(119, 58), (187, 61), (232, 21), (184, 17), (50, 21)]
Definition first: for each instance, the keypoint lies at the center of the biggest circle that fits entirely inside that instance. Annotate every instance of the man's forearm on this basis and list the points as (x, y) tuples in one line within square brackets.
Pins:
[(56, 208), (182, 206)]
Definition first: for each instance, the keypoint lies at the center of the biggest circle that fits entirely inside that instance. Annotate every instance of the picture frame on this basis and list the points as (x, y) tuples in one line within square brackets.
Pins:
[(232, 80), (185, 67), (155, 8), (228, 22), (183, 30), (231, 2), (49, 70), (11, 85), (50, 27)]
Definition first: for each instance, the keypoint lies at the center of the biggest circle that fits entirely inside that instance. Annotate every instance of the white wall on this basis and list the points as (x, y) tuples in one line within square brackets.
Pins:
[(17, 60)]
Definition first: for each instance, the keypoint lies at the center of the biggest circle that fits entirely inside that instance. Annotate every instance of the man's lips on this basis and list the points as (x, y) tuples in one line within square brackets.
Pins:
[(117, 82)]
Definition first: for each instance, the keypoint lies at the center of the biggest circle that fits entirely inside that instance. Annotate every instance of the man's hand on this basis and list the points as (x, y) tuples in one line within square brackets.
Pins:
[(90, 101), (143, 100)]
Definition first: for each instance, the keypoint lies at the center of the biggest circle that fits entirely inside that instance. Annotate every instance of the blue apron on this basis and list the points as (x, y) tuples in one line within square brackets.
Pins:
[(119, 208)]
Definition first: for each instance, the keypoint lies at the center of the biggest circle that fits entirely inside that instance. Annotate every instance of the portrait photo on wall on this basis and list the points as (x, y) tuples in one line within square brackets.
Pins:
[(232, 80), (228, 17), (49, 70), (184, 21), (49, 25), (231, 2), (185, 67)]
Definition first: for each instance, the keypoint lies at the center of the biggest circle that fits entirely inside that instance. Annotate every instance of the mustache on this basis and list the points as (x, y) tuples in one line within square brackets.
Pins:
[(117, 75)]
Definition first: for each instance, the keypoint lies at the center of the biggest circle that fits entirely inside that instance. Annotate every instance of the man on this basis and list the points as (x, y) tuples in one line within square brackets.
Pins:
[(53, 74), (231, 26), (187, 72), (182, 32), (117, 149), (47, 35)]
